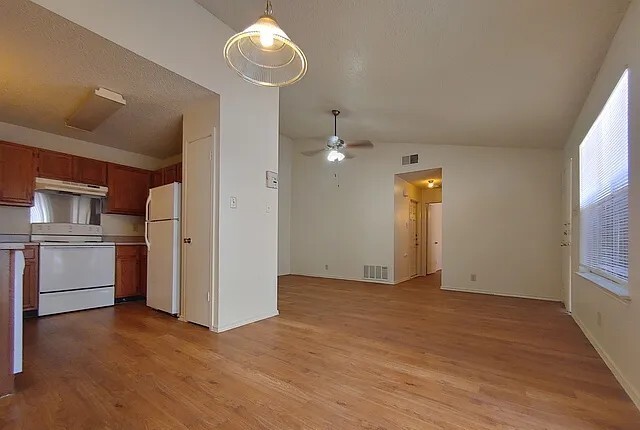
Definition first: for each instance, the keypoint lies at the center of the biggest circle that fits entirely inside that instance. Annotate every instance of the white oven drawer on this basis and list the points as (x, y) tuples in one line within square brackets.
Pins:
[(65, 268), (76, 300)]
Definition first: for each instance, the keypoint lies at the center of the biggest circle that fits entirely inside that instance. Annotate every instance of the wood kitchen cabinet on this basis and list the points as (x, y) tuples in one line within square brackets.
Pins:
[(88, 171), (128, 189), (17, 174), (131, 271), (167, 175), (55, 165), (30, 278)]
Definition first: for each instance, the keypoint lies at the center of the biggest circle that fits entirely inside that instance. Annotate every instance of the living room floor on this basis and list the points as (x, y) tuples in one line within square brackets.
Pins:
[(341, 355)]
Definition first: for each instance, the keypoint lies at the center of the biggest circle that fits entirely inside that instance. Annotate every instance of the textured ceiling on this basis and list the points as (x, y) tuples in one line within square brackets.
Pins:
[(48, 65), (469, 72), (421, 177)]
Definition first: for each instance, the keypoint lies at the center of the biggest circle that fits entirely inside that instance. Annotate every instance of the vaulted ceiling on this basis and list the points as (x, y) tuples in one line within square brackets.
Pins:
[(468, 72)]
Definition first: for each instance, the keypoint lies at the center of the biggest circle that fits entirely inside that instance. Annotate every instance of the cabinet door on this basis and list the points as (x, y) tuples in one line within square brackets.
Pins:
[(127, 271), (55, 165), (157, 178), (170, 174), (17, 174), (30, 278), (88, 171), (128, 189), (142, 286)]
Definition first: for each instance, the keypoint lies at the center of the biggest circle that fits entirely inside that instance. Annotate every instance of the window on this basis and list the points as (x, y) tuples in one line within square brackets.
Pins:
[(604, 189)]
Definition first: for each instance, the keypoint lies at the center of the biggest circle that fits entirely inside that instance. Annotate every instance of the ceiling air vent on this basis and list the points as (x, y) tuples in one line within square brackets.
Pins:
[(410, 159), (379, 273)]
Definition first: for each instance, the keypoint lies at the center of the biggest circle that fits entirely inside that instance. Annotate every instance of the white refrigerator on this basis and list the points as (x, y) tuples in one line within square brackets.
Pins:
[(162, 236)]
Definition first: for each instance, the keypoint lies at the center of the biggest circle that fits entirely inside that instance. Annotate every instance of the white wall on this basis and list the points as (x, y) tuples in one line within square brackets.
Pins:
[(501, 215), (285, 154), (403, 241), (183, 37), (618, 337)]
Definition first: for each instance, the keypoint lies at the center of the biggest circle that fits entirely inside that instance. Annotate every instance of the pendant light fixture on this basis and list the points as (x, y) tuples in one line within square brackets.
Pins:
[(264, 55)]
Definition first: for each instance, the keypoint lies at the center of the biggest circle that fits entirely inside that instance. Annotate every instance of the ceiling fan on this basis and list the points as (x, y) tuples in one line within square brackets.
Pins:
[(337, 147)]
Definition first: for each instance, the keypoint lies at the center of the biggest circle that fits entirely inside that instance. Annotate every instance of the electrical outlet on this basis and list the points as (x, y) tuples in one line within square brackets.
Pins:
[(233, 202), (599, 319), (474, 278), (326, 267), (135, 227)]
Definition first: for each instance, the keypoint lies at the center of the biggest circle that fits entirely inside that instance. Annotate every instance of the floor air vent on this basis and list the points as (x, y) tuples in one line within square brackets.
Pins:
[(410, 159), (376, 272)]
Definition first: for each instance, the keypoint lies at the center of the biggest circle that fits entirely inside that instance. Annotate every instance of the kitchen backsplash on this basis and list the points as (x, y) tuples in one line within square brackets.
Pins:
[(15, 220)]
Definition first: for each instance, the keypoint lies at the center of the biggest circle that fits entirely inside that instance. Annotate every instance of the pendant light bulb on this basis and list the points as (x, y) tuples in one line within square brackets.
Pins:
[(264, 55), (335, 156)]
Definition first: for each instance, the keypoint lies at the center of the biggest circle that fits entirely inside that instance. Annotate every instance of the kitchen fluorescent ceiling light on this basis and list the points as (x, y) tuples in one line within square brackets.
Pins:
[(264, 55), (95, 110)]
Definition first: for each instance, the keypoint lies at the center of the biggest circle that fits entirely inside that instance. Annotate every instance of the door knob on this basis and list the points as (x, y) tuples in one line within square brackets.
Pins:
[(187, 240)]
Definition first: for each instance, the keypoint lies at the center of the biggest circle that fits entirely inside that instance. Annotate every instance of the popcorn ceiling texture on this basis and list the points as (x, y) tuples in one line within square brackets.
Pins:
[(467, 72), (48, 65)]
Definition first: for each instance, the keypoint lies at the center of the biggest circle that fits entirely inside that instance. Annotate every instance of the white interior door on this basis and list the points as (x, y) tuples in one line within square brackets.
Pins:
[(198, 235), (413, 237), (565, 240), (434, 252)]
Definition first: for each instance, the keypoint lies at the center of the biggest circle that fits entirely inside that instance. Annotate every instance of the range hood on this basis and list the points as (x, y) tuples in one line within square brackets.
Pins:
[(54, 185)]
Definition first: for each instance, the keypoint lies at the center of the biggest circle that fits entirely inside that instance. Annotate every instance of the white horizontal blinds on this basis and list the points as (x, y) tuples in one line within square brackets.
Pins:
[(604, 189)]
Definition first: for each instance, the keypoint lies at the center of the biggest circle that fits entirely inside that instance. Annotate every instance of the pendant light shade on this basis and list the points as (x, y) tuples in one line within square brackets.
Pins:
[(264, 55)]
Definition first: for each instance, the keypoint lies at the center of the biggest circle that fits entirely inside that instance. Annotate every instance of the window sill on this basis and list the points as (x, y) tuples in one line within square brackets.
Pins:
[(620, 292)]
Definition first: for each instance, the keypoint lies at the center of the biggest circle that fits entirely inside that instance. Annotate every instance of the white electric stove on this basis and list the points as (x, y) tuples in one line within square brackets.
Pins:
[(77, 269)]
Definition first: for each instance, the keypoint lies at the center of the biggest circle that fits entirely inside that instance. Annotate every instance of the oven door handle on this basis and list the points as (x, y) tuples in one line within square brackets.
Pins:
[(146, 222)]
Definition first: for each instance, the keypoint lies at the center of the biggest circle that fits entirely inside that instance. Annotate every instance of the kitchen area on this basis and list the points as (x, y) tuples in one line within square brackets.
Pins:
[(70, 260)]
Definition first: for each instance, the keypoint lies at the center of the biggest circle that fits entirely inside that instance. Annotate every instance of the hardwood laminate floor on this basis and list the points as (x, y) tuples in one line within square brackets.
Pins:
[(341, 355)]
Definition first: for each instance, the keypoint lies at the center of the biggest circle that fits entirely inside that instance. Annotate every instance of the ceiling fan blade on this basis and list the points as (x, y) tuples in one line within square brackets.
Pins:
[(313, 152), (359, 144)]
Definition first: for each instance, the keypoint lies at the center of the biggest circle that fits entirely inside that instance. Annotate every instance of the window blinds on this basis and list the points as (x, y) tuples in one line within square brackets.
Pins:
[(604, 189)]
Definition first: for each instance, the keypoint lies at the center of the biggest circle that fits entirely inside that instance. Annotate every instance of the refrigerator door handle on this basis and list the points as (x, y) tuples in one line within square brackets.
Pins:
[(146, 222)]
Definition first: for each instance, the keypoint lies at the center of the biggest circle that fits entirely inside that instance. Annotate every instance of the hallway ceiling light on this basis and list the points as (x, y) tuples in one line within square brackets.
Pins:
[(264, 55), (431, 183)]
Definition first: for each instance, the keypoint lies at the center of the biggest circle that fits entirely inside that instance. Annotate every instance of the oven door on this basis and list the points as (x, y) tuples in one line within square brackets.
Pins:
[(75, 267)]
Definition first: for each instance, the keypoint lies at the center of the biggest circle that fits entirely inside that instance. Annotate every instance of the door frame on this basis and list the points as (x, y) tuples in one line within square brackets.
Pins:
[(567, 233), (213, 237), (416, 236)]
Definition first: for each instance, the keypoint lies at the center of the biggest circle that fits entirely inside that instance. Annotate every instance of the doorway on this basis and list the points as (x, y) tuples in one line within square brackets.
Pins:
[(418, 226), (434, 238)]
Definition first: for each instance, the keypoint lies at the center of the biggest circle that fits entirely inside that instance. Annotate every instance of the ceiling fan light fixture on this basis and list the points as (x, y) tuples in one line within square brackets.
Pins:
[(335, 156), (264, 55)]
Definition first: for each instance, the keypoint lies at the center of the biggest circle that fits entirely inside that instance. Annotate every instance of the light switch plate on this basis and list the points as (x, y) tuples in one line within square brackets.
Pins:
[(272, 180)]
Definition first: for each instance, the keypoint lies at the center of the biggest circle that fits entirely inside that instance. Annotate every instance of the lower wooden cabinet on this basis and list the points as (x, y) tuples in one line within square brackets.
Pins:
[(30, 278), (131, 271)]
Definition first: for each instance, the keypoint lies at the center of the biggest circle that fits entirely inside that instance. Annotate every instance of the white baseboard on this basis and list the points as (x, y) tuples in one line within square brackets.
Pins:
[(493, 293), (246, 321), (400, 281), (626, 385)]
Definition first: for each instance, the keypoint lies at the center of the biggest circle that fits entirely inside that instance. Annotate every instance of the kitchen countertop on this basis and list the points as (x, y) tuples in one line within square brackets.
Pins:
[(11, 246)]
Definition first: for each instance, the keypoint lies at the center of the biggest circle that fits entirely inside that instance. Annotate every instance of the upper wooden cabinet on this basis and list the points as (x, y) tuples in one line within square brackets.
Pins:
[(167, 175), (55, 165), (88, 171), (157, 178), (17, 174), (128, 189)]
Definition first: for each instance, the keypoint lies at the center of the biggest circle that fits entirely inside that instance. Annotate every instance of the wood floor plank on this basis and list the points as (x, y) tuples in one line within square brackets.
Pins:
[(341, 355)]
